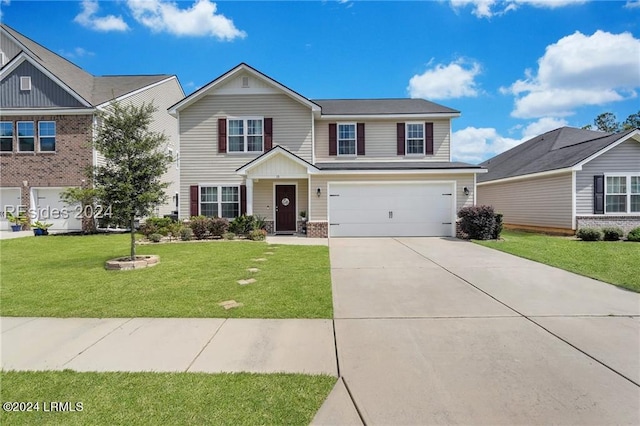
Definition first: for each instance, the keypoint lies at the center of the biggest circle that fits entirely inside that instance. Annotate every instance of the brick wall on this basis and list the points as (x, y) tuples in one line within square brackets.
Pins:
[(627, 223), (317, 229)]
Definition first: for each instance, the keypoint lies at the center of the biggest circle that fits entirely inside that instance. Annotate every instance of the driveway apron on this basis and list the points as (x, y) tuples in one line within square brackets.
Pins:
[(438, 330)]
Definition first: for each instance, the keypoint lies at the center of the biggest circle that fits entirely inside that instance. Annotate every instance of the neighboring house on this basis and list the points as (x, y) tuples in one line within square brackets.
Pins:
[(567, 179), (48, 110), (369, 167)]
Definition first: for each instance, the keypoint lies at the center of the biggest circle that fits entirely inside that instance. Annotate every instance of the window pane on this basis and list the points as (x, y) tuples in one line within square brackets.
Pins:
[(346, 131), (635, 184), (635, 203), (209, 209), (616, 185), (236, 127), (254, 143), (230, 210), (616, 204), (415, 131), (47, 144), (25, 136), (229, 194), (6, 144), (254, 127), (415, 147), (6, 136), (236, 143), (47, 128), (347, 147), (209, 194)]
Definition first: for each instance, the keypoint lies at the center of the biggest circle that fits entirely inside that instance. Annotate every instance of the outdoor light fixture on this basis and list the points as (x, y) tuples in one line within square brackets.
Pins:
[(318, 192), (465, 190)]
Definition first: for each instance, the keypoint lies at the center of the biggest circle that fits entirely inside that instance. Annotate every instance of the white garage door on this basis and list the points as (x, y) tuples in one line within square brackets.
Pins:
[(391, 209), (9, 200), (50, 209)]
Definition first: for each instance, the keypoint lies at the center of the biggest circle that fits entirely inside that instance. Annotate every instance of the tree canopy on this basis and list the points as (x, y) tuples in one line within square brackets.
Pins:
[(607, 122)]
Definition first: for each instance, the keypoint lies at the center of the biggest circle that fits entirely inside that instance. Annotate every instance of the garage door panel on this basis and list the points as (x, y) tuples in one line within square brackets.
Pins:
[(50, 209), (399, 209), (9, 200)]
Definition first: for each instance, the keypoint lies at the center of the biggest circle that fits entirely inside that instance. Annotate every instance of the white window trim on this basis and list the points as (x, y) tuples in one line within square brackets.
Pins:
[(18, 136), (406, 139), (55, 137), (25, 83), (355, 139), (245, 135), (218, 197), (13, 133), (628, 193)]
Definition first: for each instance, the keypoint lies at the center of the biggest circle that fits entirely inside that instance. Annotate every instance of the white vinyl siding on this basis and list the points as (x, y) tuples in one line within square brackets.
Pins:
[(381, 141), (319, 204), (623, 159), (544, 202), (199, 157)]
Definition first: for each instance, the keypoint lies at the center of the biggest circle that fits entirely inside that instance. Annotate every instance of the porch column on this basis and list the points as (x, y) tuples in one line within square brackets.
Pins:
[(249, 196)]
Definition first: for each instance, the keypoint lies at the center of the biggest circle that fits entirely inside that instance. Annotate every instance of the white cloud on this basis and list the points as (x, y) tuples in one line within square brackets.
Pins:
[(541, 126), (454, 80), (579, 70), (632, 4), (78, 52), (474, 145), (489, 8), (200, 19), (87, 18)]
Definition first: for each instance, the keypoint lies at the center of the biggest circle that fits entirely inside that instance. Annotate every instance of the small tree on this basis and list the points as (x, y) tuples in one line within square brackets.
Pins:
[(84, 196), (129, 182)]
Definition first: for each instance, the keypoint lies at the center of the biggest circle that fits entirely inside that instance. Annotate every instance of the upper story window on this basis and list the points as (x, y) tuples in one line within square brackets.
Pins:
[(47, 136), (347, 139), (26, 137), (245, 134), (622, 194), (415, 138), (6, 136)]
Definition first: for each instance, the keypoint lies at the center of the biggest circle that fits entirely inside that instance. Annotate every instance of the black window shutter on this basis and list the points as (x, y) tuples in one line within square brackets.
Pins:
[(243, 199), (333, 139), (400, 138), (360, 132), (268, 134), (193, 200), (428, 133), (222, 135), (598, 194)]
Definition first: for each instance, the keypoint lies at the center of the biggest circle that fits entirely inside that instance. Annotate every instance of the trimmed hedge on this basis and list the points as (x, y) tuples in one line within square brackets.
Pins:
[(634, 234), (612, 234), (480, 222), (589, 234)]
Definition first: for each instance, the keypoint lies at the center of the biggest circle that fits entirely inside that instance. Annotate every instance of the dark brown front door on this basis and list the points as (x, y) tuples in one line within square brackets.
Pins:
[(285, 208)]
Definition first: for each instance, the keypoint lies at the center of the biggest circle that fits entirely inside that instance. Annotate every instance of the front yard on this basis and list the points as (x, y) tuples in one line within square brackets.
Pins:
[(617, 262), (164, 398), (64, 276)]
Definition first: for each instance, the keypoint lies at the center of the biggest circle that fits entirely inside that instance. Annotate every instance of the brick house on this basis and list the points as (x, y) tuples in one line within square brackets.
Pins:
[(48, 109)]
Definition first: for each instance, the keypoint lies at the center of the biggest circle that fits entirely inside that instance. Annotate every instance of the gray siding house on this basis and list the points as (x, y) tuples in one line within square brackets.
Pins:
[(566, 179), (363, 167), (48, 110)]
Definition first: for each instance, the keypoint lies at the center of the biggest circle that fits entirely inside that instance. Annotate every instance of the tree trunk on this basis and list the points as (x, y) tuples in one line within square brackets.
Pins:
[(133, 238)]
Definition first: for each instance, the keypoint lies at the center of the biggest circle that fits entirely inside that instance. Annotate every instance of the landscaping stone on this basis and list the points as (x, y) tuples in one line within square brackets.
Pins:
[(247, 281), (261, 259), (125, 264), (269, 252), (230, 304), (253, 269)]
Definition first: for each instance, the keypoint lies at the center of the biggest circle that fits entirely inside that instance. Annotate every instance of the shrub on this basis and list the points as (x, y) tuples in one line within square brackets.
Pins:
[(186, 234), (589, 234), (160, 225), (175, 230), (257, 235), (218, 226), (242, 225), (156, 238), (200, 226), (259, 222), (478, 222), (634, 234), (612, 234), (229, 236), (498, 230)]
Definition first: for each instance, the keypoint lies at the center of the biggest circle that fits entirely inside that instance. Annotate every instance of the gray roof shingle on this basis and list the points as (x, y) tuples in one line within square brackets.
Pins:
[(94, 90), (557, 149), (396, 165), (380, 106)]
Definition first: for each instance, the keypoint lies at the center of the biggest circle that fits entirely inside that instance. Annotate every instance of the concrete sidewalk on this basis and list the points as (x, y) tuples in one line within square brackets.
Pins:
[(169, 345)]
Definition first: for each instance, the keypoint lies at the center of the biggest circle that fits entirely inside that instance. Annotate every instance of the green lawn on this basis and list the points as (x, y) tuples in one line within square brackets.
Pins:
[(166, 398), (64, 276), (613, 262)]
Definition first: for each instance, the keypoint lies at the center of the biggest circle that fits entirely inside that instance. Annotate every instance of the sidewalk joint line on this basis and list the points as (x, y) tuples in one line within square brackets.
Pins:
[(205, 345), (335, 345), (21, 324), (355, 405), (98, 341)]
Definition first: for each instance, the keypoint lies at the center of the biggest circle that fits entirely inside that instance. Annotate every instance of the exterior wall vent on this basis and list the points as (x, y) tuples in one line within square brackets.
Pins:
[(25, 83), (245, 81)]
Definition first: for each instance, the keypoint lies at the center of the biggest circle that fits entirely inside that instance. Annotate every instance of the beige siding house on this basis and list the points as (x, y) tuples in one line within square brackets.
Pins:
[(567, 179), (372, 167)]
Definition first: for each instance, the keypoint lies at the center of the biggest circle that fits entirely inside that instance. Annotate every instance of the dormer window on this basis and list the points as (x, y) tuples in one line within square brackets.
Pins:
[(25, 83)]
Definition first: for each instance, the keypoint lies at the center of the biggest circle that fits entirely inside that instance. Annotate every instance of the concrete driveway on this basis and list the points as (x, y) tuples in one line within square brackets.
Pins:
[(436, 330)]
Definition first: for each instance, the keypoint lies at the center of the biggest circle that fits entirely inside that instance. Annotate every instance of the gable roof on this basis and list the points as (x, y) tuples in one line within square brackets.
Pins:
[(242, 67), (562, 148), (276, 150), (93, 90), (381, 106)]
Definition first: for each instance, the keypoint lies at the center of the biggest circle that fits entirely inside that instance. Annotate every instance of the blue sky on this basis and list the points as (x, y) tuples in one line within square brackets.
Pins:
[(514, 68)]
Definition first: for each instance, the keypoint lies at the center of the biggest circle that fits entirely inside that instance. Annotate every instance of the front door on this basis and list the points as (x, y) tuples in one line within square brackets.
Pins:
[(285, 203)]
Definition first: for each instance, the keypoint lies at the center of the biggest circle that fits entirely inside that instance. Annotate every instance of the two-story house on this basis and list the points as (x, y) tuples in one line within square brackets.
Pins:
[(369, 167), (49, 108)]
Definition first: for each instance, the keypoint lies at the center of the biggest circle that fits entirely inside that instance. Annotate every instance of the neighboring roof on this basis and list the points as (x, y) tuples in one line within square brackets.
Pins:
[(94, 90), (396, 165), (381, 106), (558, 149)]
